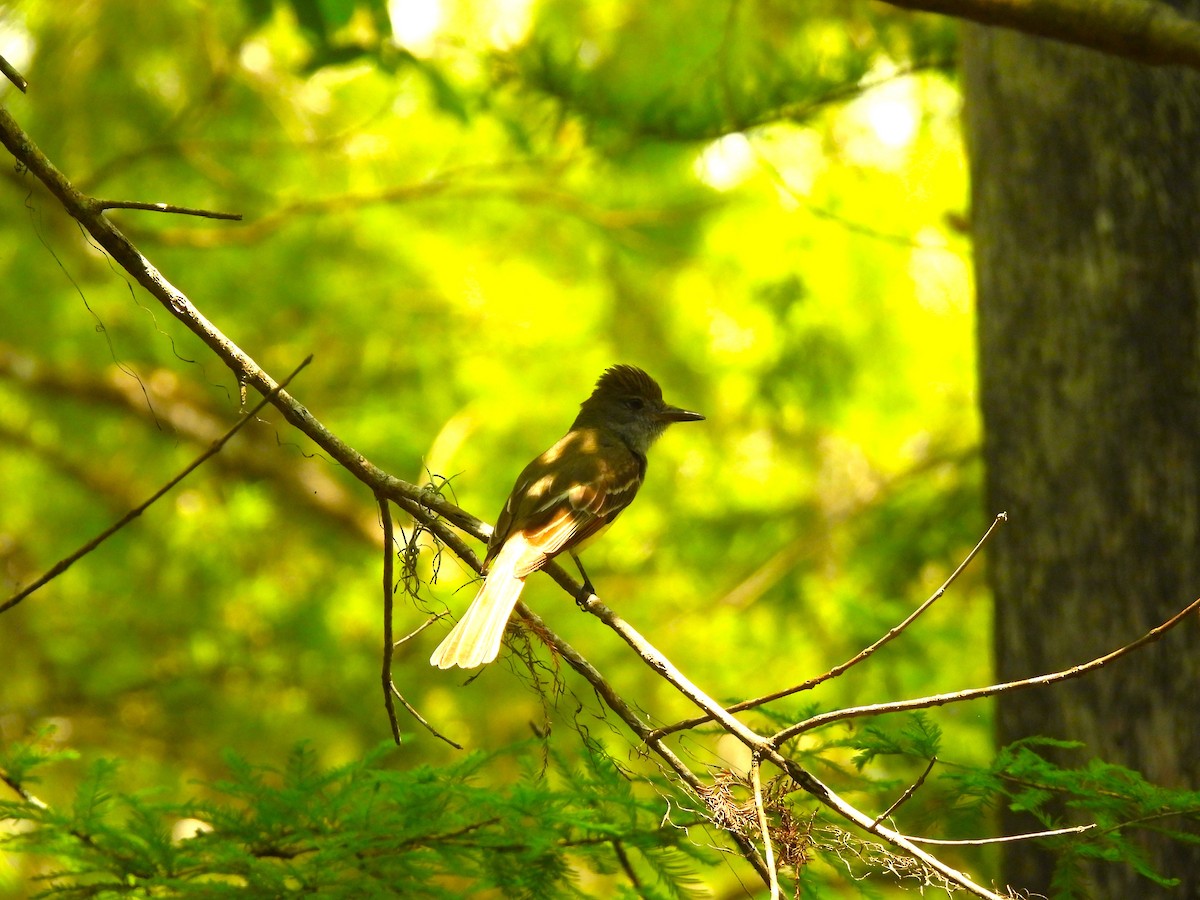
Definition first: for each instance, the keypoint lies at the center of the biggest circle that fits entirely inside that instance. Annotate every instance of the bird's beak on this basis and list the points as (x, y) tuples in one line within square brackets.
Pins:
[(675, 414)]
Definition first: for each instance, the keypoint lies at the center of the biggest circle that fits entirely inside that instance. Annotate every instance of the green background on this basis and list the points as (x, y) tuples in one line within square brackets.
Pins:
[(466, 227)]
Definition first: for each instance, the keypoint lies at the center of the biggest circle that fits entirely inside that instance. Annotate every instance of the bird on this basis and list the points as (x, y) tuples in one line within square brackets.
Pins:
[(562, 502)]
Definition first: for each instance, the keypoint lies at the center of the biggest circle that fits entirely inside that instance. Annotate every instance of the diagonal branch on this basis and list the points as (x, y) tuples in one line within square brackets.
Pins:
[(9, 71), (90, 213), (768, 749), (1147, 31), (63, 564), (858, 657), (167, 208), (876, 709)]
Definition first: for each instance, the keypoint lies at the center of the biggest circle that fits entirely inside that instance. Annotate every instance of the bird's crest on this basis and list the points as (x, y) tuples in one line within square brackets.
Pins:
[(628, 380)]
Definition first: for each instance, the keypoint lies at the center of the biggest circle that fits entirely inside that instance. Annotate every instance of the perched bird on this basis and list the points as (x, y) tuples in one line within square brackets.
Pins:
[(564, 500)]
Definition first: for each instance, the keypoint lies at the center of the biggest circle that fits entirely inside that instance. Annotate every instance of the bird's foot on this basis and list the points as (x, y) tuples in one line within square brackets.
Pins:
[(586, 593)]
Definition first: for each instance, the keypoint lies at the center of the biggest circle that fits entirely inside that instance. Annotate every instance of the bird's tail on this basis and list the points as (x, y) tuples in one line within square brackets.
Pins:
[(475, 640)]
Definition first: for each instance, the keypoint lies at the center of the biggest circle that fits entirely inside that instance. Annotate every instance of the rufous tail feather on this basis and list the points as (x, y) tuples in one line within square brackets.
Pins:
[(475, 640)]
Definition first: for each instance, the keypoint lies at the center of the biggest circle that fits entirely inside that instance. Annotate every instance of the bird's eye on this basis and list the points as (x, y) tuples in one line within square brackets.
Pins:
[(634, 403)]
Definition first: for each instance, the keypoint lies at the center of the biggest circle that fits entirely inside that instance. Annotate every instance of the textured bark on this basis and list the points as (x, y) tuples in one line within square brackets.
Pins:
[(1086, 213)]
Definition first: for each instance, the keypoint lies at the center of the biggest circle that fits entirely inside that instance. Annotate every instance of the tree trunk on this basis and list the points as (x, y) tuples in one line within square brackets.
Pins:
[(1085, 178)]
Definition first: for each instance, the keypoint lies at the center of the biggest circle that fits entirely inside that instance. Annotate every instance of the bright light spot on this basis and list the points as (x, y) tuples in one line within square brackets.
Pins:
[(186, 829), (415, 23), (16, 43), (255, 57), (726, 162), (877, 128), (510, 22), (892, 113)]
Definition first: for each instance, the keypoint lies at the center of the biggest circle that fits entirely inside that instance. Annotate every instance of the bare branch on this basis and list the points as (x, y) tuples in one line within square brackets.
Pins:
[(389, 550), (763, 824), (857, 658), (63, 564), (390, 691), (9, 71), (20, 791), (409, 497), (912, 789), (876, 709), (1147, 31), (1005, 839), (767, 748), (102, 205)]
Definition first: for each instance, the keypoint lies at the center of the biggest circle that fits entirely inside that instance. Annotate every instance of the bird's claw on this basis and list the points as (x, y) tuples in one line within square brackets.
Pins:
[(586, 594)]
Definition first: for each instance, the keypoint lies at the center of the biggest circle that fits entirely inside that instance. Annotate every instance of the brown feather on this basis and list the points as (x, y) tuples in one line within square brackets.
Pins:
[(557, 505)]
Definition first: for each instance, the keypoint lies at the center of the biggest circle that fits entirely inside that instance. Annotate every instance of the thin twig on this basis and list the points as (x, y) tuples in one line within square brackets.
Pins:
[(389, 550), (390, 691), (10, 72), (102, 205), (627, 865), (63, 564), (21, 792), (876, 709), (412, 711), (412, 634), (912, 789), (764, 825), (858, 657), (1005, 839), (308, 482)]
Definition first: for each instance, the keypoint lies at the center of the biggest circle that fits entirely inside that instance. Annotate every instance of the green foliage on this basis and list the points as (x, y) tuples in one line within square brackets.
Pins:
[(1110, 804), (918, 737), (720, 69), (360, 829)]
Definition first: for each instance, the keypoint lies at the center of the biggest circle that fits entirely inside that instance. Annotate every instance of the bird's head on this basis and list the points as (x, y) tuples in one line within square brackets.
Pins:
[(630, 402)]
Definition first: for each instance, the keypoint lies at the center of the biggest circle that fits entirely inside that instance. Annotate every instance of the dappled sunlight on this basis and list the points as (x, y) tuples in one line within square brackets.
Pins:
[(726, 162), (415, 23), (466, 220)]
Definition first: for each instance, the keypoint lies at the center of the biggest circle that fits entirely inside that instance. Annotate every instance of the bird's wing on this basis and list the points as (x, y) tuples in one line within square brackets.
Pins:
[(568, 494)]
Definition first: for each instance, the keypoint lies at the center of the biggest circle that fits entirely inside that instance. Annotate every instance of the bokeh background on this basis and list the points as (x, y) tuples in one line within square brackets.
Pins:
[(467, 211)]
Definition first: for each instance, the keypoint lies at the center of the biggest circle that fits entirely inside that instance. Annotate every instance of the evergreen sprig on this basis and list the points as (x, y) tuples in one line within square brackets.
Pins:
[(361, 829)]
